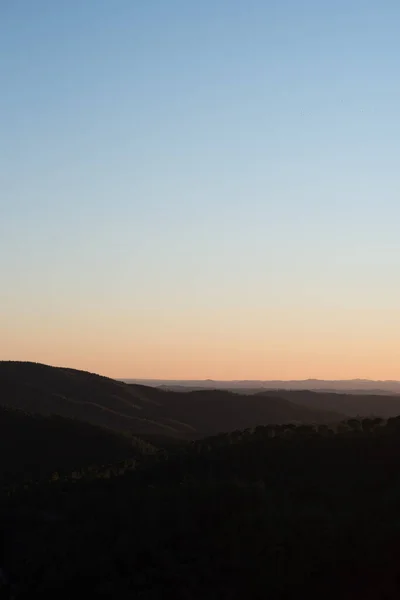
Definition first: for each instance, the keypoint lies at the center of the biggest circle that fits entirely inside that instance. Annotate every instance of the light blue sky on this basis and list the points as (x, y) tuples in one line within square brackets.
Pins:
[(165, 162)]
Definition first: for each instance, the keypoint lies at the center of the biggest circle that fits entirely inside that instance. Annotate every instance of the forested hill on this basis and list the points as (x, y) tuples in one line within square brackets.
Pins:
[(351, 405), (280, 512), (210, 412), (46, 390), (35, 448), (37, 388)]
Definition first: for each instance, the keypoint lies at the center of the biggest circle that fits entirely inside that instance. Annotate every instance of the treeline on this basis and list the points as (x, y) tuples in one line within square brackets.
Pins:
[(68, 450), (279, 512), (35, 448)]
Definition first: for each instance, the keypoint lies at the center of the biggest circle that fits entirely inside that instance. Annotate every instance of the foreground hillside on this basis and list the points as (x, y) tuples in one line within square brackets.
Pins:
[(279, 512), (37, 388), (35, 448)]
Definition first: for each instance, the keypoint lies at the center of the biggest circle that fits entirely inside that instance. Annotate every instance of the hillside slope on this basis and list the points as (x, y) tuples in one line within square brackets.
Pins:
[(213, 411), (350, 405), (305, 513), (37, 388), (33, 447)]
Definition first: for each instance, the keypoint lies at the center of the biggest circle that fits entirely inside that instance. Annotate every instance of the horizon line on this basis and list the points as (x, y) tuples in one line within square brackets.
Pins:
[(308, 379)]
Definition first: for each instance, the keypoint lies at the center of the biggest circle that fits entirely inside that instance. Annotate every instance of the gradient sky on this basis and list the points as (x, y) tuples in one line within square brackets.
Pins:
[(201, 189)]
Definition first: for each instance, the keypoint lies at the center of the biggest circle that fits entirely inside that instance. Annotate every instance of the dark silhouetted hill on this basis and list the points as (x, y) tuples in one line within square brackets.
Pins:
[(280, 512), (350, 405), (143, 410), (34, 447), (37, 388), (212, 411)]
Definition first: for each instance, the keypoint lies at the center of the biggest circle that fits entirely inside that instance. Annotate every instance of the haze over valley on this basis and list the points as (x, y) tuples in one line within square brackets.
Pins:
[(352, 386)]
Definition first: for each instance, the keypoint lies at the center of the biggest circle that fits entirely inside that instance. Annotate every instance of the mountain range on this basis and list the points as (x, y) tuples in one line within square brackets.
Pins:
[(161, 411), (349, 386), (120, 490)]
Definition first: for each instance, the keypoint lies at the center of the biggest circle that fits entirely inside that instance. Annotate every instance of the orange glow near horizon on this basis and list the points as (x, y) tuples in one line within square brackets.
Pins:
[(324, 345), (171, 209)]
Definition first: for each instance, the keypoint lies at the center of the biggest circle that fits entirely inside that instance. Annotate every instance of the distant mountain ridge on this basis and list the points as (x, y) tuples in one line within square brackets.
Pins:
[(342, 385)]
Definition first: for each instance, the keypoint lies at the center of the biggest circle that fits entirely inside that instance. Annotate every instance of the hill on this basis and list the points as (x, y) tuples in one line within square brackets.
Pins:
[(210, 412), (33, 447), (350, 405), (37, 388), (282, 511)]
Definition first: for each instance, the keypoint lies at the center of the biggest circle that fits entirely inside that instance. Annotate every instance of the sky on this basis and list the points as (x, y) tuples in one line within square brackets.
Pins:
[(201, 189)]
